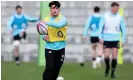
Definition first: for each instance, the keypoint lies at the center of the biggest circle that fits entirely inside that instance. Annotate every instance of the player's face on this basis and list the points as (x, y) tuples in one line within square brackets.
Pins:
[(115, 9), (54, 10), (19, 10)]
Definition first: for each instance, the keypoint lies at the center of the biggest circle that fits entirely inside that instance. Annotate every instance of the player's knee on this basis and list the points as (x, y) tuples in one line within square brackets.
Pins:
[(49, 71), (94, 46), (16, 43), (106, 57), (114, 57), (16, 48)]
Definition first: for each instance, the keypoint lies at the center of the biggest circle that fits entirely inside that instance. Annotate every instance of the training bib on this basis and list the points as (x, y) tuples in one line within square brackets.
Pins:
[(56, 34)]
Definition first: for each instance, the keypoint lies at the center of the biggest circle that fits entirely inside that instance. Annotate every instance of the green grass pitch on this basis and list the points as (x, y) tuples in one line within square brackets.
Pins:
[(70, 71)]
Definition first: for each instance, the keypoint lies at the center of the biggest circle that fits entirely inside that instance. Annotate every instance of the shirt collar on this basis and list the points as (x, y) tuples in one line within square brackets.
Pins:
[(18, 15), (96, 15), (112, 14)]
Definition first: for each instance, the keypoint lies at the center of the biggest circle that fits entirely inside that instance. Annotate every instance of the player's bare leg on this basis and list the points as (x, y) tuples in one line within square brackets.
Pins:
[(16, 52), (100, 51), (94, 65)]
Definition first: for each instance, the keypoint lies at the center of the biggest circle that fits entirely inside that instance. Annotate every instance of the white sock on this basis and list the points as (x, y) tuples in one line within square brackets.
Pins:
[(98, 60), (94, 65)]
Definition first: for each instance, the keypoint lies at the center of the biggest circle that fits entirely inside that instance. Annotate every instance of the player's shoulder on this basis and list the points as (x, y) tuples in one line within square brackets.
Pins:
[(13, 15), (62, 16), (47, 18), (119, 15), (106, 13), (90, 17), (96, 15)]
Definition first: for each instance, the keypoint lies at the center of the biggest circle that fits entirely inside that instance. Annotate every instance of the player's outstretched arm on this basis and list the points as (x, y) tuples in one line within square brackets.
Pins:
[(31, 19), (61, 23)]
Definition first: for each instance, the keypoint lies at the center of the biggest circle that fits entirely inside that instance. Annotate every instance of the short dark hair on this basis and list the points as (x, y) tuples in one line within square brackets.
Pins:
[(56, 3), (114, 4), (96, 9), (18, 6)]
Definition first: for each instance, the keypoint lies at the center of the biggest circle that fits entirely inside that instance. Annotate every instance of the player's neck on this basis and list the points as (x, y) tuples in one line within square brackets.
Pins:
[(54, 16), (113, 13)]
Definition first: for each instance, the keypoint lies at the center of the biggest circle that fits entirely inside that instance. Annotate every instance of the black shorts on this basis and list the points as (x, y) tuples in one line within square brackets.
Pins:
[(17, 37), (94, 39), (111, 44), (54, 58)]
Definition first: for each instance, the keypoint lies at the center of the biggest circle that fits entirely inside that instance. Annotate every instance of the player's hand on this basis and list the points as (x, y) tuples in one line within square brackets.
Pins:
[(43, 22), (46, 38), (84, 38), (101, 41), (122, 44), (21, 34), (10, 33)]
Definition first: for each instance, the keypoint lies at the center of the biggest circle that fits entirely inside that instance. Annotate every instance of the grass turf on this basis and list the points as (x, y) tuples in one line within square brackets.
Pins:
[(70, 71)]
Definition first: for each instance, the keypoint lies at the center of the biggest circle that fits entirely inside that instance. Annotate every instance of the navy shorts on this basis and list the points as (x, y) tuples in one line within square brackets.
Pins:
[(111, 44), (17, 37), (94, 39)]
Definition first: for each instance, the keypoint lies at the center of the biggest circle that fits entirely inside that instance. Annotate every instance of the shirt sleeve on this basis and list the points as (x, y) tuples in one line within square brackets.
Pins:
[(123, 29), (31, 19), (62, 22), (9, 24), (101, 25), (87, 25)]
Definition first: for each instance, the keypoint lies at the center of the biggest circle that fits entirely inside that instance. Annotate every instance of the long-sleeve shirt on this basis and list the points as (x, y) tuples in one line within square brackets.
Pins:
[(92, 24), (110, 33), (14, 16), (59, 44)]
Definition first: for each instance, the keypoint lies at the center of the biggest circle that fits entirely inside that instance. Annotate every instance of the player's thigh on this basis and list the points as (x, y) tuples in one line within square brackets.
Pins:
[(93, 45), (16, 41), (60, 55), (49, 56), (94, 41), (114, 53), (106, 47), (100, 49), (106, 52), (115, 49)]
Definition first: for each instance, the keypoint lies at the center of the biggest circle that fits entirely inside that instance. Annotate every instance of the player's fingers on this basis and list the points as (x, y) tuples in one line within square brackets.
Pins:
[(123, 44), (43, 22)]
